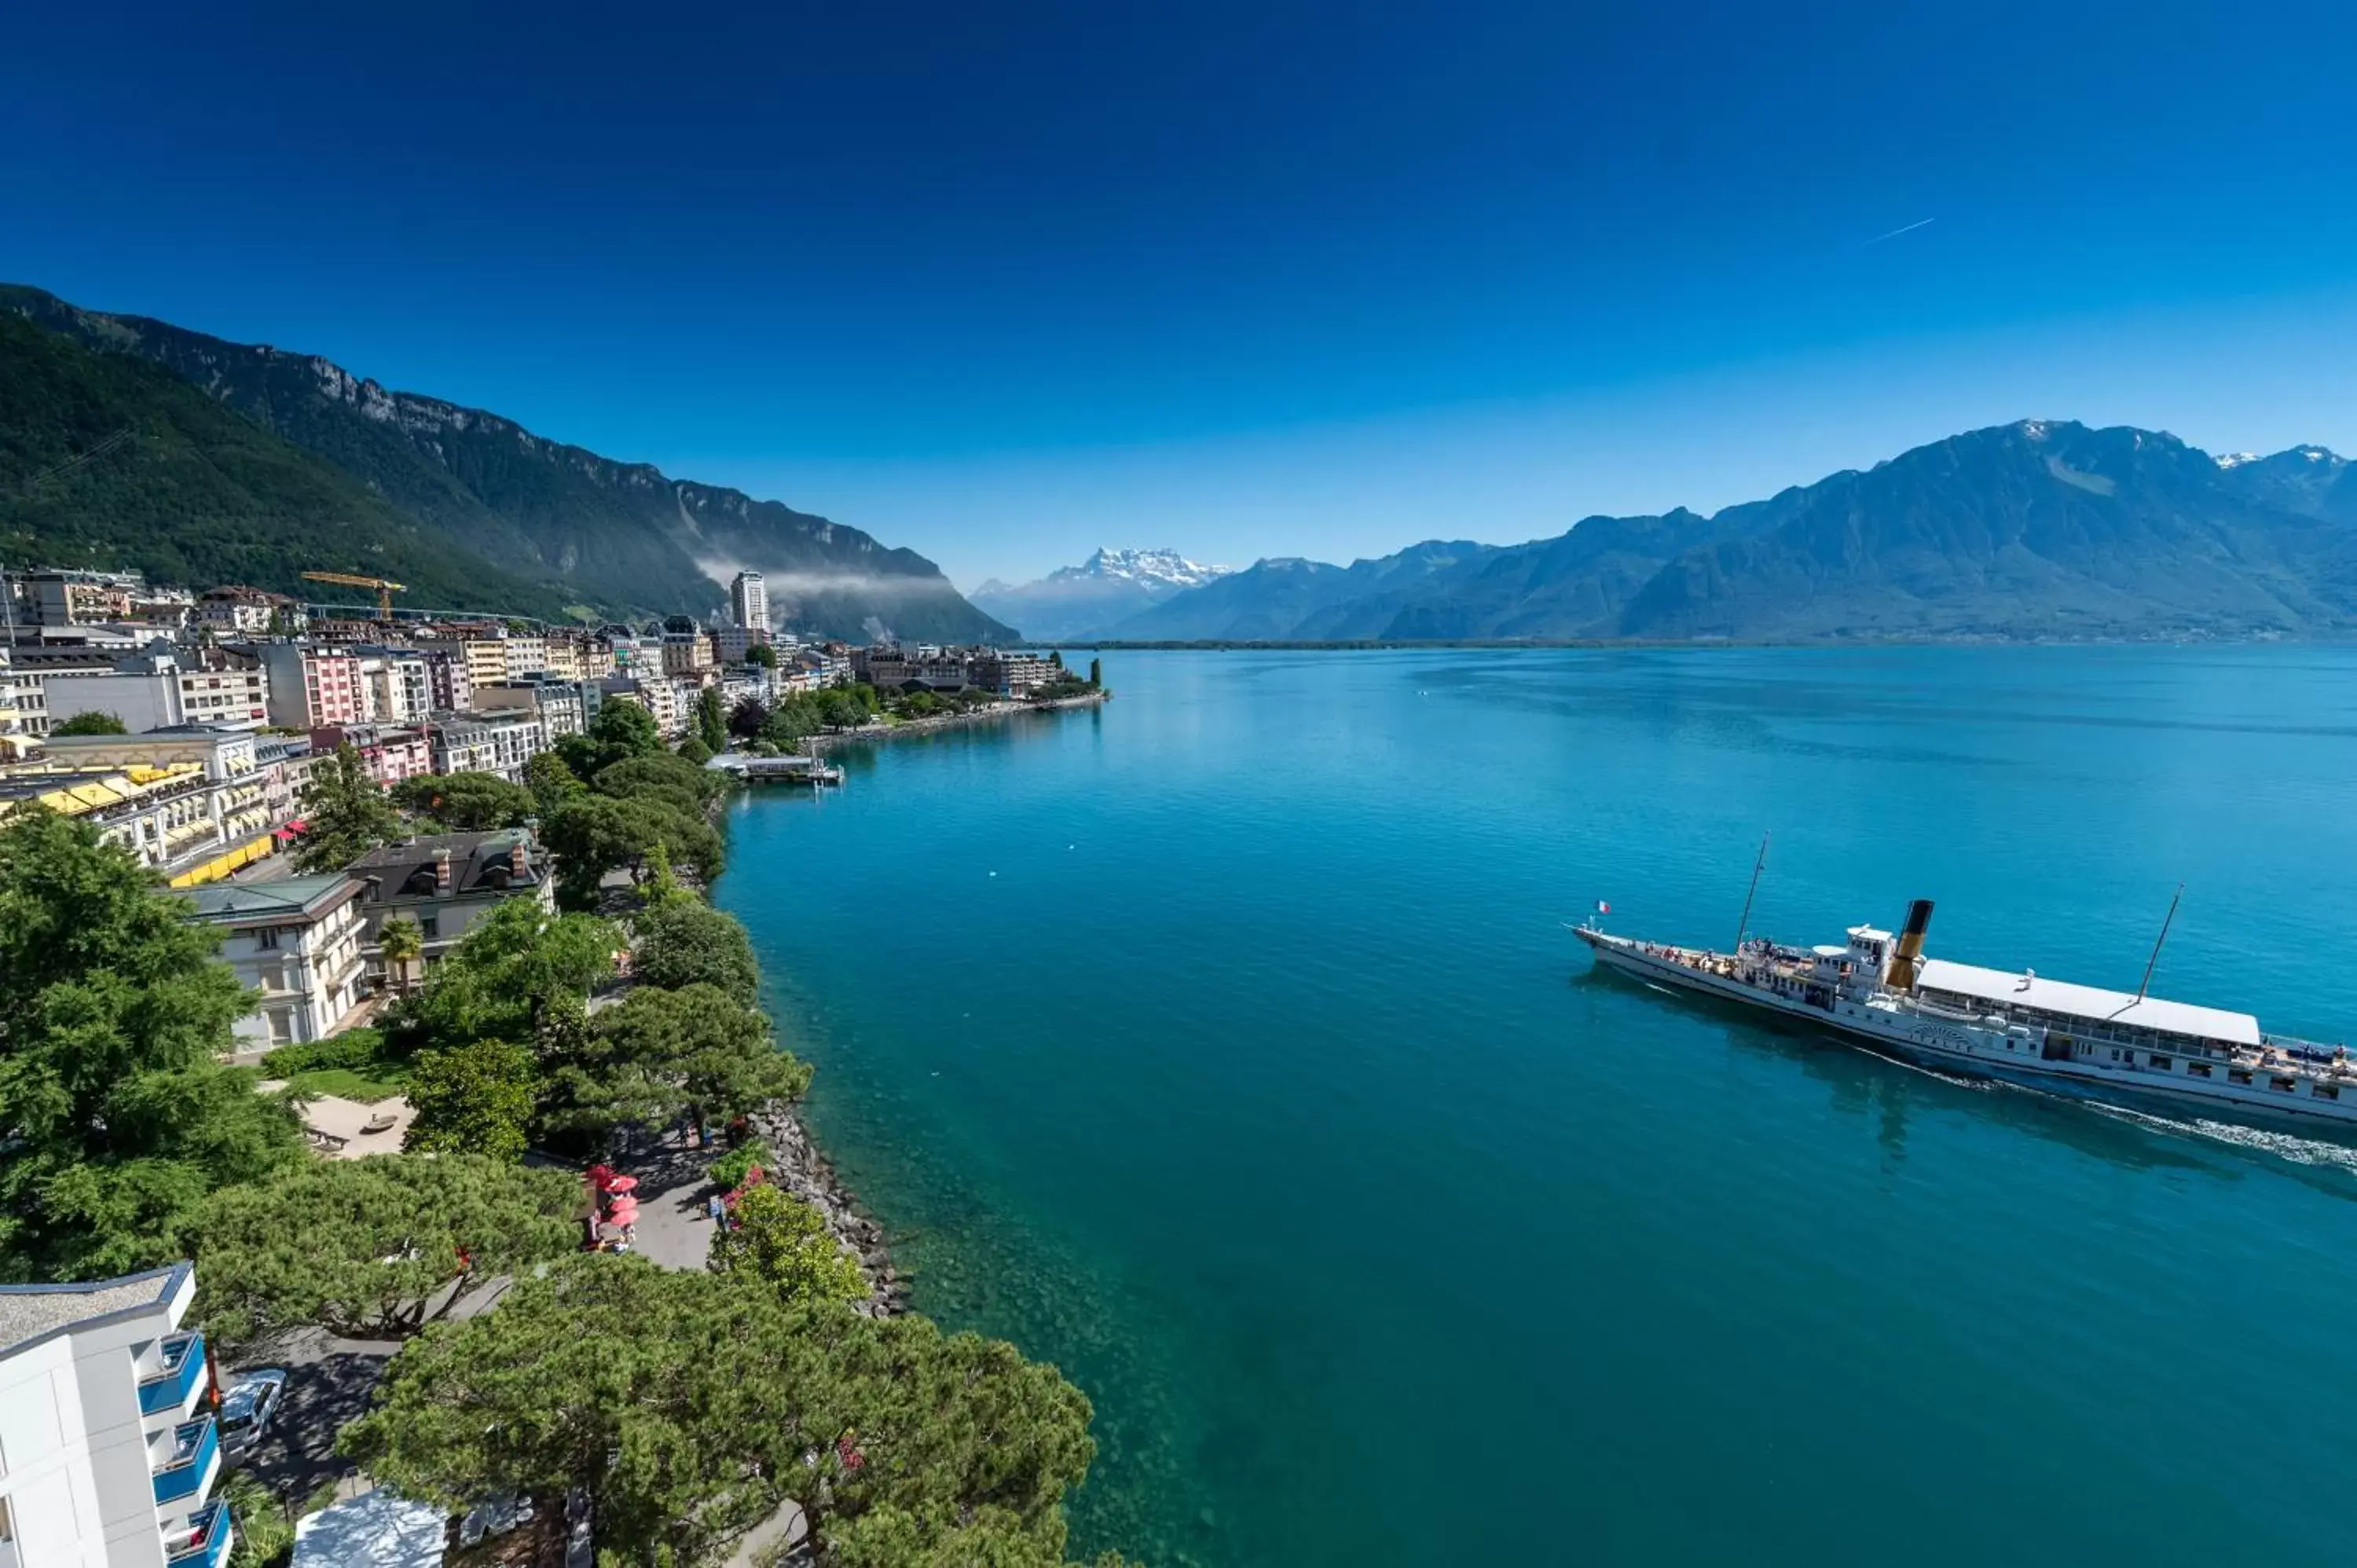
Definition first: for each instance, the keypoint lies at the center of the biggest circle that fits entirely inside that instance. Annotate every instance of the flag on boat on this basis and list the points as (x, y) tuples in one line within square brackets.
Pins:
[(1602, 907)]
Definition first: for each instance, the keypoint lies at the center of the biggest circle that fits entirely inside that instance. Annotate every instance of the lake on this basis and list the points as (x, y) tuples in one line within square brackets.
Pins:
[(1225, 1047)]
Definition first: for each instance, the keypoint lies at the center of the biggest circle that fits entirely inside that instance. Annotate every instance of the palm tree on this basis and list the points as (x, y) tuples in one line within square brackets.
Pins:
[(403, 943)]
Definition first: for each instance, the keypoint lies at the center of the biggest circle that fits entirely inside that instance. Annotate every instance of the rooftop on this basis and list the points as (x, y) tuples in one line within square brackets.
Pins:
[(33, 1312), (2091, 1002), (479, 862), (285, 901)]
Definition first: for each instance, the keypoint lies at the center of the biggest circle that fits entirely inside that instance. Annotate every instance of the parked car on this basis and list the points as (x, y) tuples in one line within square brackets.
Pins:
[(247, 1409)]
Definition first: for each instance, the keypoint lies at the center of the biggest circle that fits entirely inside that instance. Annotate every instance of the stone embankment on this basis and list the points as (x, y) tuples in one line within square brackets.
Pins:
[(797, 1165), (818, 744)]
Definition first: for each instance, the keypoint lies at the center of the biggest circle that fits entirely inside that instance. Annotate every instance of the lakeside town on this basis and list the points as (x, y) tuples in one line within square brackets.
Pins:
[(374, 1068)]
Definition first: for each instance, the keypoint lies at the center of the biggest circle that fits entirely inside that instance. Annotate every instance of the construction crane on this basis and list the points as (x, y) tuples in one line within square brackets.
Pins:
[(385, 590)]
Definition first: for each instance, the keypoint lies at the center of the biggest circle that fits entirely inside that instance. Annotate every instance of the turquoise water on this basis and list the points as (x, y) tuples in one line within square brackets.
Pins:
[(1225, 1047)]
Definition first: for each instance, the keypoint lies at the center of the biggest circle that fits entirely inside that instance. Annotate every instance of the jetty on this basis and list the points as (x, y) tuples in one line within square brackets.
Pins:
[(814, 772)]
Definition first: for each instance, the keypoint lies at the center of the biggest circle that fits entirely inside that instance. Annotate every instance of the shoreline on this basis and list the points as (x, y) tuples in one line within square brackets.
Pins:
[(797, 1163), (819, 745)]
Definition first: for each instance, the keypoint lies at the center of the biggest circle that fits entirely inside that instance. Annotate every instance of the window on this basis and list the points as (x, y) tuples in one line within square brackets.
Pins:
[(2281, 1085), (2238, 1075), (429, 926), (2163, 1063), (2324, 1090), (2199, 1070), (281, 1025), (266, 938)]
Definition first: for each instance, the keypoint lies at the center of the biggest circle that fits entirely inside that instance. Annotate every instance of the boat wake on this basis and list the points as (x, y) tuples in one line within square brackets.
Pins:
[(2288, 1146), (1978, 1085)]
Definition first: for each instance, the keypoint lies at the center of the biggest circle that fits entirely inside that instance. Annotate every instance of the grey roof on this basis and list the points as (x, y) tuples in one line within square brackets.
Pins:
[(289, 898), (35, 1312), (473, 859)]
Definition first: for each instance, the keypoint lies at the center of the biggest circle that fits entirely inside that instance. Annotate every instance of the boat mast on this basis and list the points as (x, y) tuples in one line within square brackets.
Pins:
[(2167, 921), (1756, 867)]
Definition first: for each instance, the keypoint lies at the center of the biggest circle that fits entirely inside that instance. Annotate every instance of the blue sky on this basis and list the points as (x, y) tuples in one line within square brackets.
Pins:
[(1004, 282)]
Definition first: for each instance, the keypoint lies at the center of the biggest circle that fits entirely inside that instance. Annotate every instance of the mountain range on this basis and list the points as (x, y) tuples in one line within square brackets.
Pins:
[(315, 466), (1109, 587), (2036, 530)]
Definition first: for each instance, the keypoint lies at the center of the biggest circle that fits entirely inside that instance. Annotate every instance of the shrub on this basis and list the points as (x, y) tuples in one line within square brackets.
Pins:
[(729, 1170), (354, 1050)]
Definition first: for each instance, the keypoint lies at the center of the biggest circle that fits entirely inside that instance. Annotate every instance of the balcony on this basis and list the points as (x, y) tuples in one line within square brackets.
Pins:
[(204, 1544), (184, 1369), (187, 1466)]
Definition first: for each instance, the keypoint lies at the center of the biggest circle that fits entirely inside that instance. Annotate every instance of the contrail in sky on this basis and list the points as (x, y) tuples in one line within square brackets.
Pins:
[(1896, 233)]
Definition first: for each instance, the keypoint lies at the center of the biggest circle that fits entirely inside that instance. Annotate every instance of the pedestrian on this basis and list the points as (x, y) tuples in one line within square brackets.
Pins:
[(713, 1209)]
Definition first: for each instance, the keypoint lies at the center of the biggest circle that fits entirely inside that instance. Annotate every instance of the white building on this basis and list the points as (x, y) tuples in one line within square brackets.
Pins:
[(160, 688), (110, 1460), (297, 943), (749, 597), (558, 704), (487, 743)]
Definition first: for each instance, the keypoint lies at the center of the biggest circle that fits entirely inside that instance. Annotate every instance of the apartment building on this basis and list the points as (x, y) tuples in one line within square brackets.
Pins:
[(748, 597), (558, 704), (449, 688), (111, 1453), (239, 611), (523, 655), (488, 743), (296, 942), (161, 688), (687, 648), (446, 882), (24, 714), (389, 753), (313, 684)]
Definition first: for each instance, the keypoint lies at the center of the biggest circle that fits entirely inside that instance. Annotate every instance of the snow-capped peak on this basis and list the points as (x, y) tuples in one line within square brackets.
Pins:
[(2234, 459), (1165, 568)]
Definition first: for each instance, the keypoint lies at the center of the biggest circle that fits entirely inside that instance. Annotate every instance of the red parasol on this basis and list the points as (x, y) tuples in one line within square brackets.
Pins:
[(599, 1174), (624, 1210), (621, 1184)]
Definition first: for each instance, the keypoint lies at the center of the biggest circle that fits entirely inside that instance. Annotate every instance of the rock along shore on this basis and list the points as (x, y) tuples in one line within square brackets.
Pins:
[(819, 745)]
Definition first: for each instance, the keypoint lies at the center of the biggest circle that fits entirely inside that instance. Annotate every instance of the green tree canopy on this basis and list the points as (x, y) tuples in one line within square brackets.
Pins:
[(509, 967), (783, 1242), (712, 719), (369, 1248), (466, 802), (550, 781), (661, 1056), (683, 941), (345, 814), (91, 723), (621, 730), (598, 833), (666, 776), (692, 749), (118, 1117), (473, 1098), (762, 654), (690, 1407)]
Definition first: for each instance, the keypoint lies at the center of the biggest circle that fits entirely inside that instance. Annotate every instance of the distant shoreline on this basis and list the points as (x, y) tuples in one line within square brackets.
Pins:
[(819, 745), (1503, 644)]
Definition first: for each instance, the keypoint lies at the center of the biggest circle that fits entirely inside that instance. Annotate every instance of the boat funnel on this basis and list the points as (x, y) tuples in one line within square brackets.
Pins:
[(1910, 946)]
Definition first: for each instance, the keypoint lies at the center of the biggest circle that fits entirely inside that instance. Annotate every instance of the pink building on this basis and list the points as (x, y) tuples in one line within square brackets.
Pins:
[(313, 684)]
